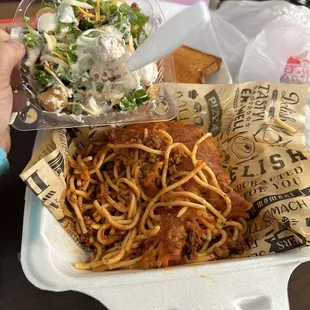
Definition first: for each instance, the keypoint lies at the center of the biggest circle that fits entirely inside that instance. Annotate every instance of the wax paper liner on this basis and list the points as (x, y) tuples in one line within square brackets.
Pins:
[(260, 132)]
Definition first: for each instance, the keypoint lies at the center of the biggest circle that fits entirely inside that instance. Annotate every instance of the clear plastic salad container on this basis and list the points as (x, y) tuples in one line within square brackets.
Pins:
[(162, 104)]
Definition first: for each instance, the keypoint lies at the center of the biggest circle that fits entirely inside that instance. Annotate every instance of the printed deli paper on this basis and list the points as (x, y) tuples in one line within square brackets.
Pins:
[(260, 130)]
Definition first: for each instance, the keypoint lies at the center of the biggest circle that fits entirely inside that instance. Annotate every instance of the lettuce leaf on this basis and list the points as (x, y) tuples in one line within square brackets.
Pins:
[(133, 99), (134, 15), (50, 4), (69, 53), (31, 37), (43, 78), (126, 18), (67, 32)]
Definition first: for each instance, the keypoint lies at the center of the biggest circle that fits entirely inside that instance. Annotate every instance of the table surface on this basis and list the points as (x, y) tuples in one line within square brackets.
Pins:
[(15, 290)]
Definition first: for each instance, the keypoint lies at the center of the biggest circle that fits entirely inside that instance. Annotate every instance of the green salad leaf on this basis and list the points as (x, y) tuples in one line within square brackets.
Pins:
[(134, 15), (126, 18), (93, 34), (133, 99), (110, 11), (67, 32), (139, 36), (31, 37), (69, 53), (51, 4), (64, 29), (43, 78), (92, 2), (77, 109), (99, 87)]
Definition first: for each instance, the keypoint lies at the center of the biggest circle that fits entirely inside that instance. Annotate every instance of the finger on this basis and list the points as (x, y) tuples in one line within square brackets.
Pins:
[(4, 36), (3, 26), (8, 27), (11, 53)]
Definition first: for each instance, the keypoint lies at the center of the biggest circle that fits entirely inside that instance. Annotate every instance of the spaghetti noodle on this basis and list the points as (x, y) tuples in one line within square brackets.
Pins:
[(152, 201)]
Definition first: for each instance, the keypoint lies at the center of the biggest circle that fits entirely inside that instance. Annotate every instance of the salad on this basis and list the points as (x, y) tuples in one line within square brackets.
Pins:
[(77, 52)]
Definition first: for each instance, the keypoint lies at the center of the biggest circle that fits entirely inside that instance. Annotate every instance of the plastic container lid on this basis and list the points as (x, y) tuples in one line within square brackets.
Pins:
[(30, 116)]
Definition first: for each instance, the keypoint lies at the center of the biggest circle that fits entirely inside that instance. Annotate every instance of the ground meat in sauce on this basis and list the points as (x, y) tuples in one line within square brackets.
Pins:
[(179, 239), (154, 142)]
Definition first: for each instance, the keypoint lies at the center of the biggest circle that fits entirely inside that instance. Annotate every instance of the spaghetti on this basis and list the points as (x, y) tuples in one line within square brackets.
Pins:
[(151, 202)]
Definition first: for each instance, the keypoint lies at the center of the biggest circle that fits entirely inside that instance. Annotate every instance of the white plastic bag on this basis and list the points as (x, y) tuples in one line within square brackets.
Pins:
[(250, 17), (279, 51), (278, 45), (232, 44)]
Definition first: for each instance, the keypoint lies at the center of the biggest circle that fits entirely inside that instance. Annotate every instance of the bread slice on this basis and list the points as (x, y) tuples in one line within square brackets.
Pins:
[(191, 66)]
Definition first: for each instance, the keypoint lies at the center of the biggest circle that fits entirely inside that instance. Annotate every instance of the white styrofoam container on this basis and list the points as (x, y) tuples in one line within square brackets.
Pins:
[(48, 254)]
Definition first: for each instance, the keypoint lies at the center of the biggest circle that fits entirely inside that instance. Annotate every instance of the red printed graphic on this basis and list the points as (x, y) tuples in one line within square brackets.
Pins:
[(297, 70)]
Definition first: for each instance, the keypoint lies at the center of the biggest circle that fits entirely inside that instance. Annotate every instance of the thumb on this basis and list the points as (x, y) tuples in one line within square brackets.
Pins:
[(11, 53)]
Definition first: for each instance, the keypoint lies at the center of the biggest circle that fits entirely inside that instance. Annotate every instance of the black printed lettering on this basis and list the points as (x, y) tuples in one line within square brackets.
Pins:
[(35, 178), (261, 95), (266, 88), (292, 98), (48, 196), (296, 155), (179, 95), (301, 204), (241, 110), (277, 162), (246, 172), (259, 116), (258, 104), (296, 181), (245, 94), (212, 100), (276, 185), (233, 174), (292, 205), (262, 168), (182, 104)]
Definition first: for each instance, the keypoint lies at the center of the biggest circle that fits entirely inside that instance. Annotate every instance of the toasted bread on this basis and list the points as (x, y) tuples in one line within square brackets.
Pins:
[(191, 66)]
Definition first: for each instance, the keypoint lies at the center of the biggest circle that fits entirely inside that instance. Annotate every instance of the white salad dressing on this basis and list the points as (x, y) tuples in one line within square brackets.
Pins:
[(32, 56), (102, 51), (92, 105), (105, 44), (148, 74), (129, 81), (112, 92), (79, 4), (47, 22), (65, 14), (118, 3), (110, 48)]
